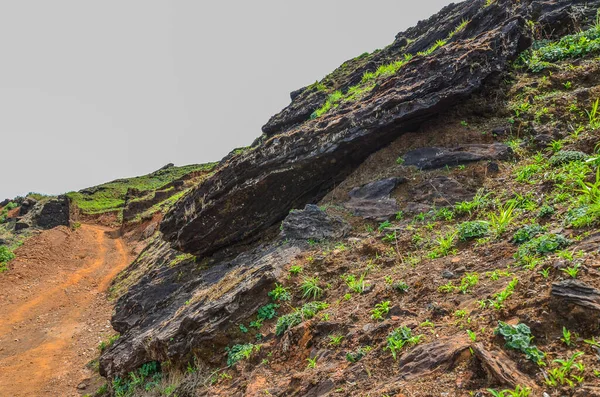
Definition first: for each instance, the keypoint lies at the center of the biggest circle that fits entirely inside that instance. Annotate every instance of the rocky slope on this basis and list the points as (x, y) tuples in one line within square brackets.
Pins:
[(437, 221)]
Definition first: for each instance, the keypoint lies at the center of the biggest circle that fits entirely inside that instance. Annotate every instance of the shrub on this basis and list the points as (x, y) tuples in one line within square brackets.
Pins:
[(6, 255), (570, 46), (400, 337), (584, 216), (526, 233), (567, 156), (544, 244), (240, 352), (280, 293), (546, 211), (519, 338), (472, 230)]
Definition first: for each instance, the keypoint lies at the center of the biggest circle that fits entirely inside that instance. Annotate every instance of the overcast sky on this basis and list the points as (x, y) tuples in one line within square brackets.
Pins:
[(91, 91)]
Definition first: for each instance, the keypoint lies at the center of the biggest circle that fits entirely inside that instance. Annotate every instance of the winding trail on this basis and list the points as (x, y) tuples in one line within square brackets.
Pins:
[(54, 311)]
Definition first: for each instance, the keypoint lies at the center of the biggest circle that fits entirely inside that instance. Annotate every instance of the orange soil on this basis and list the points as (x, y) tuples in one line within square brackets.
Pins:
[(54, 311)]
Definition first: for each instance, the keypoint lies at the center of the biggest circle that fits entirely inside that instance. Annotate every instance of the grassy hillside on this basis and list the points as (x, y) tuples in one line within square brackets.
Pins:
[(110, 196)]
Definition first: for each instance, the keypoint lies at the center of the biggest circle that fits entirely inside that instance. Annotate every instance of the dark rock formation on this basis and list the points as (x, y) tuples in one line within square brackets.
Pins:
[(440, 355), (257, 189), (53, 213), (175, 307), (500, 367), (435, 157), (372, 201), (577, 293), (313, 224), (441, 191), (27, 205)]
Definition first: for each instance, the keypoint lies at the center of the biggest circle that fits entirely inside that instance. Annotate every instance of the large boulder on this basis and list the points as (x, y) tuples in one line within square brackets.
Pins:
[(257, 189), (46, 214)]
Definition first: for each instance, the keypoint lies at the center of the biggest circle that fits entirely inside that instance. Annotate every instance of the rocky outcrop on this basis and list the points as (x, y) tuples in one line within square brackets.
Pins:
[(372, 200), (577, 293), (313, 224), (436, 157), (257, 189), (176, 306), (45, 214)]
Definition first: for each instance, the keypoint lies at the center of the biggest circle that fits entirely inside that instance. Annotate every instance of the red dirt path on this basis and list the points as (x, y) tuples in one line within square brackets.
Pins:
[(54, 311)]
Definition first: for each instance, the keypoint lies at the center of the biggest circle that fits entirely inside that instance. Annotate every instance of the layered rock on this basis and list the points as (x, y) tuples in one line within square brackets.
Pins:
[(258, 188), (175, 308)]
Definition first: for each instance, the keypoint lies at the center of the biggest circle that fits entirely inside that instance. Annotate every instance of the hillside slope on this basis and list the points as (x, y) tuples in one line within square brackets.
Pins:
[(452, 249)]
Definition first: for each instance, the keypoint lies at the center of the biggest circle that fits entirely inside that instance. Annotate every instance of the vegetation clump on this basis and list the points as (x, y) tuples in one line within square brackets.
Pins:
[(578, 45), (518, 337)]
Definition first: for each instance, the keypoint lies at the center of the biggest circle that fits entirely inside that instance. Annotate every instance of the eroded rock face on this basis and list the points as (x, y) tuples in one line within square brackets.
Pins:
[(257, 189), (313, 224), (372, 201), (176, 308), (436, 157), (45, 214)]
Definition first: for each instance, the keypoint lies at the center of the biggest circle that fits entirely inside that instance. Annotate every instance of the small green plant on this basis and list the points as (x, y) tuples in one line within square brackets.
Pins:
[(545, 273), (527, 232), (517, 392), (380, 311), (295, 270), (593, 115), (108, 343), (566, 336), (240, 352), (335, 340), (357, 355), (472, 230), (572, 271), (444, 245), (280, 293), (563, 374), (546, 211), (310, 288), (472, 335), (400, 337), (401, 287), (499, 222), (556, 146), (519, 338), (499, 298), (312, 363), (480, 201), (356, 285)]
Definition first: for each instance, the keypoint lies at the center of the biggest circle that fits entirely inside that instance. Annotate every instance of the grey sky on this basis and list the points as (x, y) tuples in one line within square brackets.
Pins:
[(91, 91)]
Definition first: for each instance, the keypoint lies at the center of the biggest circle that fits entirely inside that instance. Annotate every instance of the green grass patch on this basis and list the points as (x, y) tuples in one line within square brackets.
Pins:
[(110, 196)]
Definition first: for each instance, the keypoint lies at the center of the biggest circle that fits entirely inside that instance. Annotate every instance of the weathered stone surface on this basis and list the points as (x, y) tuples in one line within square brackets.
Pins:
[(376, 190), (46, 214), (437, 157), (311, 223), (26, 206), (441, 191), (173, 309), (250, 193), (577, 293), (441, 354), (501, 368), (372, 201)]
